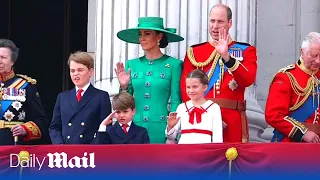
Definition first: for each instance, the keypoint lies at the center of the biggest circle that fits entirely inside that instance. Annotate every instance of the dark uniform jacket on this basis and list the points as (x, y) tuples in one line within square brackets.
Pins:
[(115, 135), (21, 104)]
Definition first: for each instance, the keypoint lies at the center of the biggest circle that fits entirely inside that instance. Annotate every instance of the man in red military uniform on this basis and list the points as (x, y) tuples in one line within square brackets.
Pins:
[(293, 102), (231, 67)]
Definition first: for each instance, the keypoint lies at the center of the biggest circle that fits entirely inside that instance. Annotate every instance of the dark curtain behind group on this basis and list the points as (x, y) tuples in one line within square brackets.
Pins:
[(46, 31)]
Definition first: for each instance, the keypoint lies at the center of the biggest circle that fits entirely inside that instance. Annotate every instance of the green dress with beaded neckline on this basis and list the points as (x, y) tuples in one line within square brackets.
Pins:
[(152, 83)]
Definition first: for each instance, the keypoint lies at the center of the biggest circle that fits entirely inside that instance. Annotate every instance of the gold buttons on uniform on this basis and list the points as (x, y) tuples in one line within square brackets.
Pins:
[(218, 92), (81, 136), (68, 137), (69, 124), (82, 124)]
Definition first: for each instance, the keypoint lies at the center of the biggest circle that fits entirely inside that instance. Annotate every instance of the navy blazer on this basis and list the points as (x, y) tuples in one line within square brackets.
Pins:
[(116, 135), (76, 122)]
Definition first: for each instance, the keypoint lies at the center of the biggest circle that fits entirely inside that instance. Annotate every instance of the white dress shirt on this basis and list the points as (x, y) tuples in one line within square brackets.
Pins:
[(129, 125), (84, 89)]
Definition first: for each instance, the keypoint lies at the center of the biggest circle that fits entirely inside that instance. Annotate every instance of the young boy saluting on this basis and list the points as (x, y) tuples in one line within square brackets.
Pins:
[(124, 131)]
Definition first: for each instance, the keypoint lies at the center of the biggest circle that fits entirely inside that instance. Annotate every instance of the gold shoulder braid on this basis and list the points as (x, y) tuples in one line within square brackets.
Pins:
[(298, 90), (200, 64), (213, 57), (29, 79), (282, 70), (301, 92), (291, 66)]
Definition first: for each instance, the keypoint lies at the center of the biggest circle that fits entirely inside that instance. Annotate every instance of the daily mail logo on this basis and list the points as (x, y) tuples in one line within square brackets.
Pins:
[(55, 160)]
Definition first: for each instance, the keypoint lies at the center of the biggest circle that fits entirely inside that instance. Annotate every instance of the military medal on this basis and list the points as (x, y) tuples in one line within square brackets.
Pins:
[(8, 115), (233, 85), (22, 92), (16, 105), (21, 115), (14, 94), (237, 54)]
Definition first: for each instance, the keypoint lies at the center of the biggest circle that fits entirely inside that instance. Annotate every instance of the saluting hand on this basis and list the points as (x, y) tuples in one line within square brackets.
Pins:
[(221, 45), (18, 130), (108, 120), (122, 75), (172, 120)]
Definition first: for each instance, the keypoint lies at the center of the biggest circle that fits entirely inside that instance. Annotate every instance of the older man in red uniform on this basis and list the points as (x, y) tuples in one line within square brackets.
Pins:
[(231, 67), (293, 103)]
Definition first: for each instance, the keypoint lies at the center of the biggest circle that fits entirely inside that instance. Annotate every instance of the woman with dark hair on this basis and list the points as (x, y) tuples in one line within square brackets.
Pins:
[(153, 78)]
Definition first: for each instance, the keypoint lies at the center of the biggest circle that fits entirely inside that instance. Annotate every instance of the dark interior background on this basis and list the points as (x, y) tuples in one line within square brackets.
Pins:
[(46, 31)]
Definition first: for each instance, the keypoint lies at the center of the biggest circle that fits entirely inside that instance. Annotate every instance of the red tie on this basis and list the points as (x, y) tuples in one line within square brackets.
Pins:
[(198, 112), (79, 94), (124, 127)]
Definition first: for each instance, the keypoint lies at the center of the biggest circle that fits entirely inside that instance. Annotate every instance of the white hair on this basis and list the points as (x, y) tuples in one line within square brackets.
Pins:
[(311, 38)]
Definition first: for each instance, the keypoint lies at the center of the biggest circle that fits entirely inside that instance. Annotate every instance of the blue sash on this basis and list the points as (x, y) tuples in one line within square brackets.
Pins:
[(236, 49), (6, 103), (301, 114)]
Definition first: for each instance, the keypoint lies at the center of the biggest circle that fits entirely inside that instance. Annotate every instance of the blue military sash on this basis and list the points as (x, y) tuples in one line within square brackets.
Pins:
[(301, 114), (13, 88), (237, 51)]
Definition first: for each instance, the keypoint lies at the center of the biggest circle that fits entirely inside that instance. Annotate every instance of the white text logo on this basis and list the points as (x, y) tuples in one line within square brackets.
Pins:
[(58, 160)]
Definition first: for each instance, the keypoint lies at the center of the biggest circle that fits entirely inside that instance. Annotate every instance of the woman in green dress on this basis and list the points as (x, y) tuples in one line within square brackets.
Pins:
[(153, 78)]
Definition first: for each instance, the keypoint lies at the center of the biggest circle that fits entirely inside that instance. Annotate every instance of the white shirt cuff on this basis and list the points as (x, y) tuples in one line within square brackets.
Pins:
[(102, 128)]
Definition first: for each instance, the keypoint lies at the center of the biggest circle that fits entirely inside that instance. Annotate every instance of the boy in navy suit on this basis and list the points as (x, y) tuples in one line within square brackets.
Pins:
[(79, 112), (124, 131)]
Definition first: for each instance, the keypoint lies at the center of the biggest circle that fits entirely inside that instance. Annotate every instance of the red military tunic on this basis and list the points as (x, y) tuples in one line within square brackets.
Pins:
[(283, 100), (228, 90)]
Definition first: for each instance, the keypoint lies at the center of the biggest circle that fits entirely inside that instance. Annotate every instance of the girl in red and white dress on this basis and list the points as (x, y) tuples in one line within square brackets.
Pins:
[(198, 120)]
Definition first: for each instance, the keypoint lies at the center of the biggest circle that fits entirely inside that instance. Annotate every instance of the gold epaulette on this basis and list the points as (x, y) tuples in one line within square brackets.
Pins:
[(283, 70), (29, 79), (301, 92), (291, 66), (200, 64)]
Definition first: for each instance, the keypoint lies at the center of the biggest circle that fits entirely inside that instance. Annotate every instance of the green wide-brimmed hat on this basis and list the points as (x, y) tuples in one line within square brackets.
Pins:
[(131, 35)]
